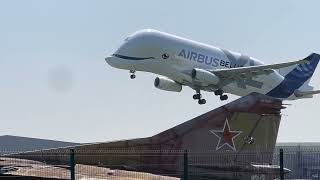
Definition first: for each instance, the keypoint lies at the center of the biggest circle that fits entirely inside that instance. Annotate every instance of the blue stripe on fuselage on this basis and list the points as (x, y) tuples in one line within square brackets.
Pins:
[(296, 78)]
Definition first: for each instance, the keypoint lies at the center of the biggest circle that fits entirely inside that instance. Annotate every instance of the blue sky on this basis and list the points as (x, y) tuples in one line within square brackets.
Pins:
[(55, 83)]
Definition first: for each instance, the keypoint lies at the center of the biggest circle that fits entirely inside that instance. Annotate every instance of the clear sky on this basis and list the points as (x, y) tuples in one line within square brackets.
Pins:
[(55, 83)]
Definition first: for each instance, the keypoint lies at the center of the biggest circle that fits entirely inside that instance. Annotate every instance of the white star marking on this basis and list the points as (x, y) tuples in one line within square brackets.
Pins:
[(226, 137)]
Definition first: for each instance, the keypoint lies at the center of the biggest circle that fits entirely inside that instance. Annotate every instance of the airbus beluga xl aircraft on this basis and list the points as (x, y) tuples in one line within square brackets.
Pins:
[(183, 62)]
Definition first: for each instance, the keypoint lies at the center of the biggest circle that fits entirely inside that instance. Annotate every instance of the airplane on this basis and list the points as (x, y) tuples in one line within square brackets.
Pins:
[(183, 62), (234, 141)]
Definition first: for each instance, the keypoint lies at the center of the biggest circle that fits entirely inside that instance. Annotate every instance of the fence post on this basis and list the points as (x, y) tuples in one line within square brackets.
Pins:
[(281, 165), (72, 165), (185, 165)]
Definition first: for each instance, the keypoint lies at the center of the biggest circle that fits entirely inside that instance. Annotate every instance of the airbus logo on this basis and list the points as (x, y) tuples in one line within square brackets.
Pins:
[(226, 136), (205, 59), (232, 62)]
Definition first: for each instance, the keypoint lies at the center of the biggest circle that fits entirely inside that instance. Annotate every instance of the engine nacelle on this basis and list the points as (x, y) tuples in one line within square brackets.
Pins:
[(205, 76), (167, 84)]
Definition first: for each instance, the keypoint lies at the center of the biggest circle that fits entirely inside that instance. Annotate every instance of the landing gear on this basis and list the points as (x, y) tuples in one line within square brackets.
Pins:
[(198, 97), (219, 92), (132, 76), (132, 72), (223, 97), (202, 101)]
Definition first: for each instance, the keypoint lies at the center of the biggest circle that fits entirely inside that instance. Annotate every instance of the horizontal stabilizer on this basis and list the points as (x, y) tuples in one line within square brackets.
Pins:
[(299, 93)]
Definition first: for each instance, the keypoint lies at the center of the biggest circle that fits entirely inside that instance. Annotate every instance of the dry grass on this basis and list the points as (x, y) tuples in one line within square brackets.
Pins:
[(83, 172)]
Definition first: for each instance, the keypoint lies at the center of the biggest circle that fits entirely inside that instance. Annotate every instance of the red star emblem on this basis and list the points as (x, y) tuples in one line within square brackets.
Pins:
[(226, 136)]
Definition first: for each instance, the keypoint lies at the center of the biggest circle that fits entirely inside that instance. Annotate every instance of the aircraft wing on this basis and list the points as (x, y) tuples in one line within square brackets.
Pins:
[(251, 71)]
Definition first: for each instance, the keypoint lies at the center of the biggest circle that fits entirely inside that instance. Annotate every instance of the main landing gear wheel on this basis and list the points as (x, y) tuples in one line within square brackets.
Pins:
[(202, 101), (218, 92), (198, 97), (132, 76), (223, 97)]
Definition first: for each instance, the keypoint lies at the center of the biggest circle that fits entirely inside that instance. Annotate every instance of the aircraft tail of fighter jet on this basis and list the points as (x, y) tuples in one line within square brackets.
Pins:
[(235, 140)]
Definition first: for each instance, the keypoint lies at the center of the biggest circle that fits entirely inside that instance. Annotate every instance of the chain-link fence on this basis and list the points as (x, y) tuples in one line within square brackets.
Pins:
[(303, 164), (119, 164)]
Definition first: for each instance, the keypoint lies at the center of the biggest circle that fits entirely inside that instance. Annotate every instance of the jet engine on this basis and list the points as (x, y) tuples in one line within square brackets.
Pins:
[(205, 76), (167, 84)]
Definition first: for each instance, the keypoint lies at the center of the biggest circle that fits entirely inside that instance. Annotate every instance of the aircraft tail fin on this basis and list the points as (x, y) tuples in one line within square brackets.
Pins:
[(247, 125), (296, 77), (304, 70), (235, 140), (229, 139)]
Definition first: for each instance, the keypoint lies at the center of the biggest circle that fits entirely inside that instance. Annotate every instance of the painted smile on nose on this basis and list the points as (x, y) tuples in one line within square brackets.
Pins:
[(131, 57)]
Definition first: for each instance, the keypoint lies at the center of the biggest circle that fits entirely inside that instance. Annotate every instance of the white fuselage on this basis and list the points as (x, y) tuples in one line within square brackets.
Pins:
[(174, 57)]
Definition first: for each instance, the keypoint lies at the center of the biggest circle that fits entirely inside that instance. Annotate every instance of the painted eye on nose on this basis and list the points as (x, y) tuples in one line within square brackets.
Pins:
[(165, 56)]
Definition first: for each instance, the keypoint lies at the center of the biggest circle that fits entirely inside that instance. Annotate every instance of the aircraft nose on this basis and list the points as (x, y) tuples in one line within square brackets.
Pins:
[(113, 61), (108, 59)]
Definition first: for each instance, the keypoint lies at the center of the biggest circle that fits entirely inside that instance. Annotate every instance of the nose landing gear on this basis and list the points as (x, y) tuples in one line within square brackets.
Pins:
[(198, 97), (132, 72)]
